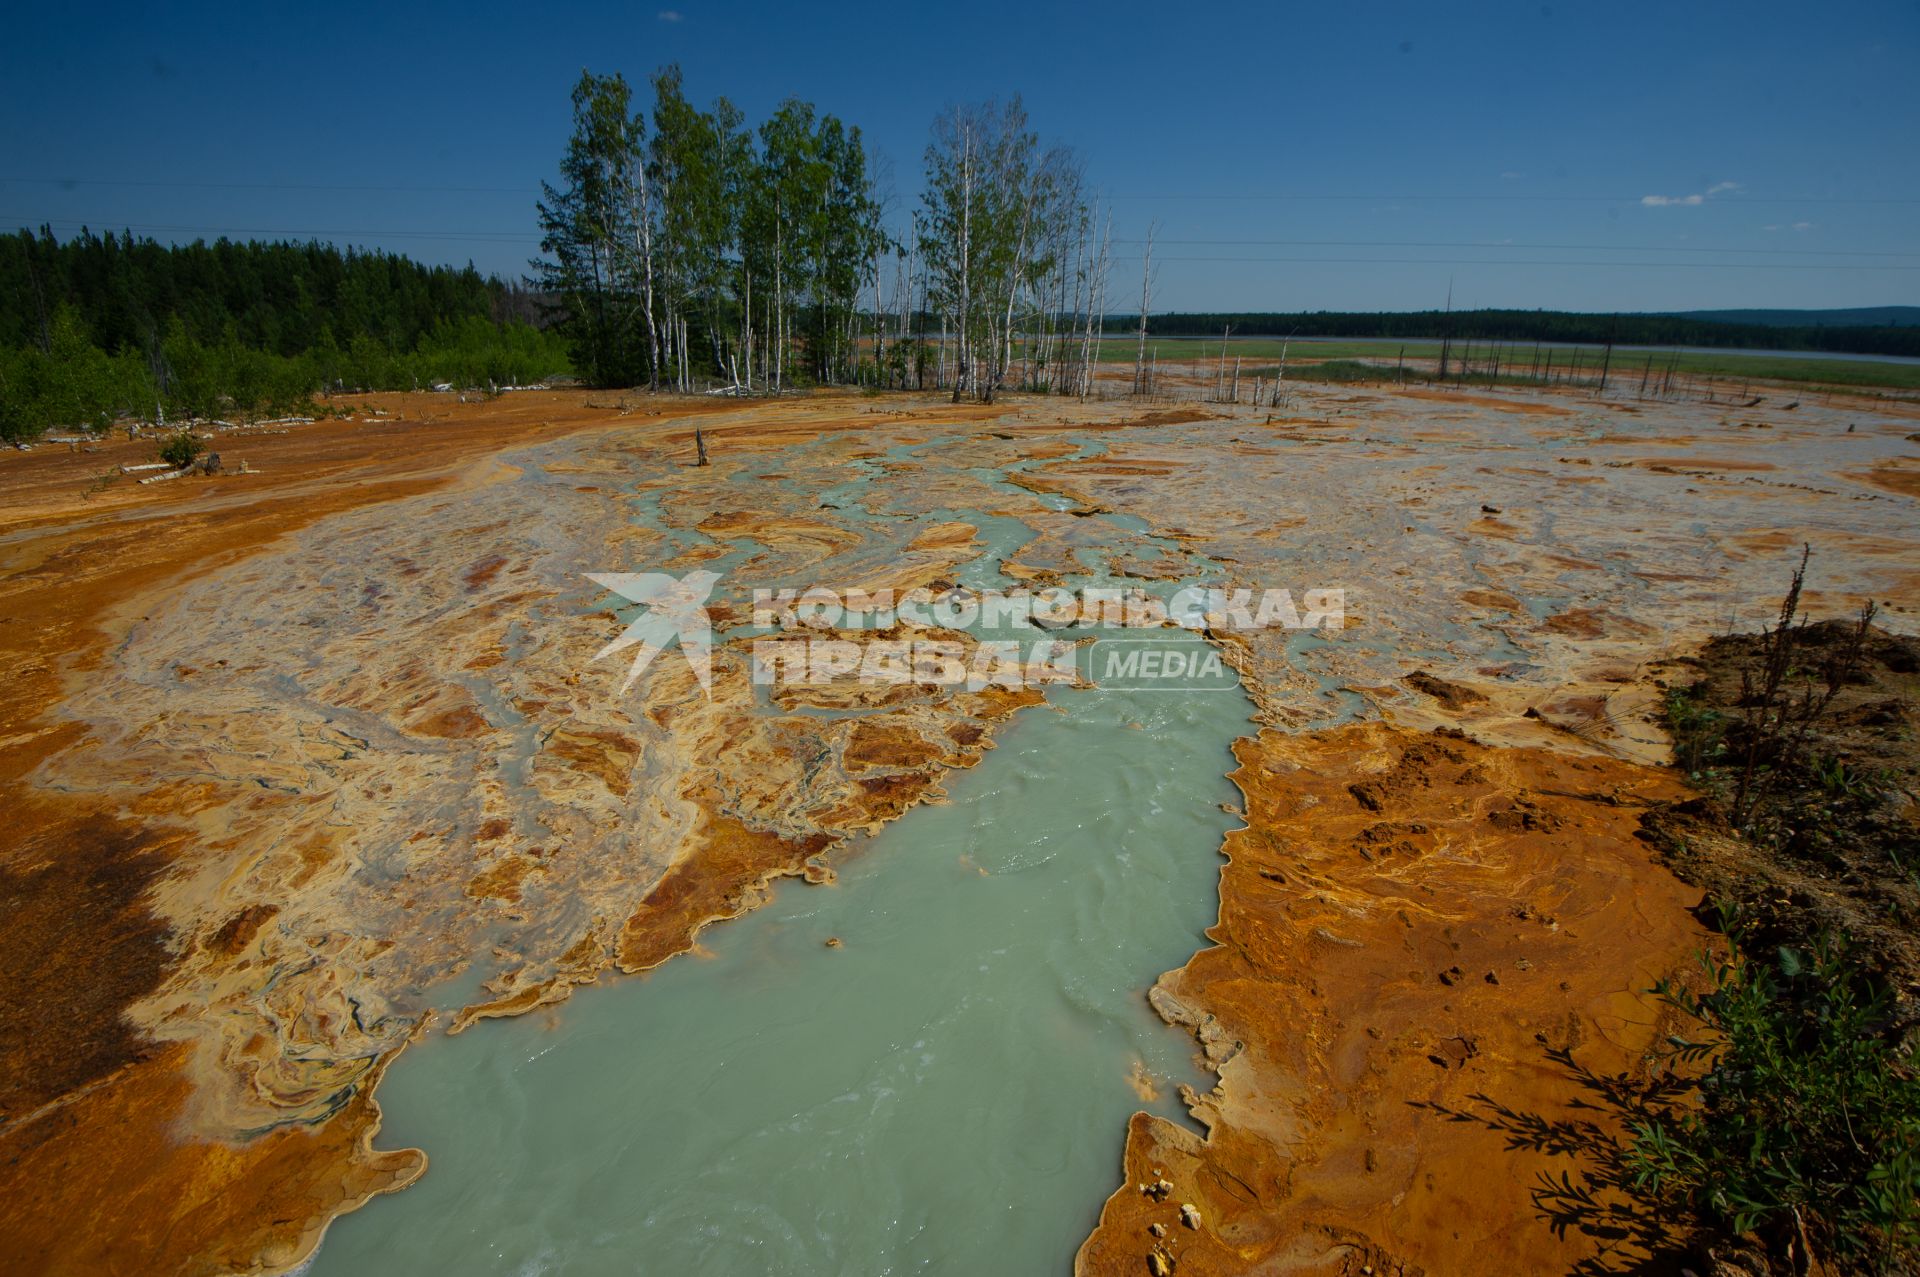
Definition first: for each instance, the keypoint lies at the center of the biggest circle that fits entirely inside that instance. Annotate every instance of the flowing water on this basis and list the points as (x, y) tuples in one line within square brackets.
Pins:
[(946, 1090)]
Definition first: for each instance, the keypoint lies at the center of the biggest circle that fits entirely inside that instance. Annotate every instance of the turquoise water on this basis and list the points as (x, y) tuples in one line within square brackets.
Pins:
[(945, 1092)]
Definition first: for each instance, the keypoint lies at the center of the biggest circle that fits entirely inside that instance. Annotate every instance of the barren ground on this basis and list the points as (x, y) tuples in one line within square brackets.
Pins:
[(295, 761)]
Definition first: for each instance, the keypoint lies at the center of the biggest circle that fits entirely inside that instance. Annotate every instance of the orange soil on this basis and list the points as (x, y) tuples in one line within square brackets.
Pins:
[(97, 1171), (1411, 927), (120, 1191), (1530, 407), (1901, 476)]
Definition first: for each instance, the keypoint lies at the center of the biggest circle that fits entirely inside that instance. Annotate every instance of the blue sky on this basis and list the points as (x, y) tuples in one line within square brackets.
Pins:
[(1336, 156)]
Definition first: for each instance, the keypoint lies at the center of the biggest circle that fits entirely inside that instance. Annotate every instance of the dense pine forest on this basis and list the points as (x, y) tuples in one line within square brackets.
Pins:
[(97, 326)]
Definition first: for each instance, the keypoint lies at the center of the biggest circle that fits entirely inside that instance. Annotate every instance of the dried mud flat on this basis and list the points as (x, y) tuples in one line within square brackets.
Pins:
[(301, 762)]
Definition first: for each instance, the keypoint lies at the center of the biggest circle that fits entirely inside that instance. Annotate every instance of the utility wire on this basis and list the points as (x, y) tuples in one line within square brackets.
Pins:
[(1497, 197), (268, 186), (1580, 248), (1481, 261), (1405, 197), (505, 237)]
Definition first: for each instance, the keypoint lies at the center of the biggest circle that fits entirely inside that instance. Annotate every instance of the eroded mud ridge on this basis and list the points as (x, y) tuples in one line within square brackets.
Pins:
[(303, 793)]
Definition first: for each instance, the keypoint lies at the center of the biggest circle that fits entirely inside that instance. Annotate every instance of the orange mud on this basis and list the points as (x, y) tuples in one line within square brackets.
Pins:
[(1424, 943), (95, 1178), (108, 1166), (1901, 477), (1530, 407), (1424, 946)]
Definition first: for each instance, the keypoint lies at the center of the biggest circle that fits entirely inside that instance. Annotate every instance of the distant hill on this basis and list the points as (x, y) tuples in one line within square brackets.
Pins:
[(1857, 317)]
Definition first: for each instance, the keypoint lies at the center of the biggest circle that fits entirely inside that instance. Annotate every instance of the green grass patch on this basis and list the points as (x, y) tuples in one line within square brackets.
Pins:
[(1337, 370)]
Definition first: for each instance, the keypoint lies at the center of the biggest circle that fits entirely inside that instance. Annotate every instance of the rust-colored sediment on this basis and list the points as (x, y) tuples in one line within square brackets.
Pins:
[(228, 905), (1416, 932), (204, 982), (104, 1183), (96, 1175)]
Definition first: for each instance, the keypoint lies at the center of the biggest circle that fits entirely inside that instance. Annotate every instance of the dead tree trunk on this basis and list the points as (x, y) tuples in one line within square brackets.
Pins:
[(1146, 301)]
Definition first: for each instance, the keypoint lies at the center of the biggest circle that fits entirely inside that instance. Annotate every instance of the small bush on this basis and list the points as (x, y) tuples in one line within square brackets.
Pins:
[(181, 450), (1339, 370), (1698, 730), (1805, 1127)]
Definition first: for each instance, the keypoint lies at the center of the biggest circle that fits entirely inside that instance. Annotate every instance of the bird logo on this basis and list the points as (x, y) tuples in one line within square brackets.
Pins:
[(675, 608)]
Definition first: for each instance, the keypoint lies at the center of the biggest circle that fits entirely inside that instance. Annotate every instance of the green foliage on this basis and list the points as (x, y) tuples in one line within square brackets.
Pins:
[(74, 383), (1806, 1122), (135, 326), (994, 203), (700, 245), (591, 233), (1843, 783), (181, 449), (284, 298), (1339, 370), (1699, 731)]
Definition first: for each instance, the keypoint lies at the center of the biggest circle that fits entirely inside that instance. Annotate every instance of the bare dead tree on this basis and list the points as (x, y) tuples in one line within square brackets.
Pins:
[(1775, 722), (1096, 311), (1146, 303)]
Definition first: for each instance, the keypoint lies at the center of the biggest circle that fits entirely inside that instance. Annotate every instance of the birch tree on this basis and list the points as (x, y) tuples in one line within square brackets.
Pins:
[(588, 226), (995, 216)]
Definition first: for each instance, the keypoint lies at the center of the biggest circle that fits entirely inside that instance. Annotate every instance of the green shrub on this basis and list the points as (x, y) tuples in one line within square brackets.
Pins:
[(1698, 730), (1805, 1126), (181, 450), (1340, 370)]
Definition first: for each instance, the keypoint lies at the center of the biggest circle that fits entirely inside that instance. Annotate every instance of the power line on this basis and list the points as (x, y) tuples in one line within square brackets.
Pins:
[(493, 237), (503, 237), (1479, 261), (1502, 196), (1578, 248), (269, 186), (1408, 197)]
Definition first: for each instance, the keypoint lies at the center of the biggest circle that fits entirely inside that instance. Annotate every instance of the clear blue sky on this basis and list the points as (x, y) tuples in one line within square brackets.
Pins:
[(1339, 156)]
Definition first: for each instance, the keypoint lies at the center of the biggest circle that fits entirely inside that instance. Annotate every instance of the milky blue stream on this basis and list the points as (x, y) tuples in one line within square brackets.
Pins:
[(946, 1091)]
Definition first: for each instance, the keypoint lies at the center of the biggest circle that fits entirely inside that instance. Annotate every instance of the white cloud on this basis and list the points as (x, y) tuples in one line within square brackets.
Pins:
[(1803, 226), (1689, 201), (670, 15)]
